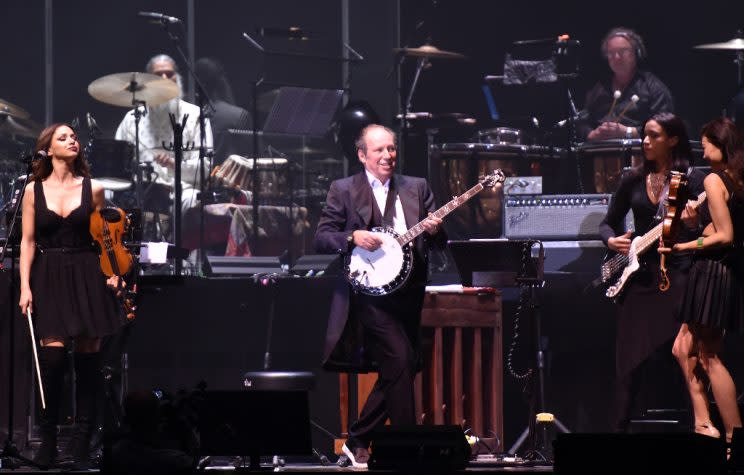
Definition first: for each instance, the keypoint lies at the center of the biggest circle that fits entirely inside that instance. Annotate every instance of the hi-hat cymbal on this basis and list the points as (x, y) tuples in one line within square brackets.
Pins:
[(734, 44), (15, 126), (6, 108), (429, 51), (121, 89)]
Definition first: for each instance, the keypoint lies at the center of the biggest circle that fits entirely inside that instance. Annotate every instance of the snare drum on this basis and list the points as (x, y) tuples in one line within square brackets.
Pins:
[(111, 162), (237, 172)]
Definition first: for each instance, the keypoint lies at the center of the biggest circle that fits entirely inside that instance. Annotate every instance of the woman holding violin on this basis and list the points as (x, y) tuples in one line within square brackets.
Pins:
[(647, 322), (714, 299), (62, 283)]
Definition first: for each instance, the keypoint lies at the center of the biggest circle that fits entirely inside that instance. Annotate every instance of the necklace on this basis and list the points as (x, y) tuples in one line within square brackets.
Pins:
[(655, 183)]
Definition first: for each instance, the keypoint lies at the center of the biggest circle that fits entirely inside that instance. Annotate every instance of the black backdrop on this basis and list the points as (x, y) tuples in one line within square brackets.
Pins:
[(92, 39)]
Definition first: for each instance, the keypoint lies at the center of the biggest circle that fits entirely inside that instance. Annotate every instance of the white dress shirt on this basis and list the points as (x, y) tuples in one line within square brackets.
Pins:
[(380, 192)]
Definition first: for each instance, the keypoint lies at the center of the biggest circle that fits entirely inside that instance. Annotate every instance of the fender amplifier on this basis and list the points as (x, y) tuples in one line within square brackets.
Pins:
[(557, 217)]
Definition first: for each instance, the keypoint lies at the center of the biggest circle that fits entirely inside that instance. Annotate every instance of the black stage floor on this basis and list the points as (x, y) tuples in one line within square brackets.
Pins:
[(318, 468)]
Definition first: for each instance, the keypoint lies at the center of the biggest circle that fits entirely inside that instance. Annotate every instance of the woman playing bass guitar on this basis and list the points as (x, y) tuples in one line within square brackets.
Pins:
[(646, 322)]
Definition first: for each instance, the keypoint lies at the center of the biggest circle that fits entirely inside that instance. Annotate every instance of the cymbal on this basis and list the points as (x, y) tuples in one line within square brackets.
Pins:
[(10, 125), (734, 44), (429, 51), (6, 108), (121, 89)]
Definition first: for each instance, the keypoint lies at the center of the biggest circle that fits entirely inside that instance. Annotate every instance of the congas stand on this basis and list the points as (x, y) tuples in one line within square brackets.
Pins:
[(520, 263)]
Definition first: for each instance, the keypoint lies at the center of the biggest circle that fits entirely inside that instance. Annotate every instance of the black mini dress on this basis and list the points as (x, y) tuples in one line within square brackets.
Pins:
[(70, 296)]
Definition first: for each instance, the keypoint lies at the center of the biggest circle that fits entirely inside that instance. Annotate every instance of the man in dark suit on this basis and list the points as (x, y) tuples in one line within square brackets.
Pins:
[(383, 330)]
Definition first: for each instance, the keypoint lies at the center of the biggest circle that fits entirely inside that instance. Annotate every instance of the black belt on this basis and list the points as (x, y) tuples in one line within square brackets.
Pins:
[(65, 250)]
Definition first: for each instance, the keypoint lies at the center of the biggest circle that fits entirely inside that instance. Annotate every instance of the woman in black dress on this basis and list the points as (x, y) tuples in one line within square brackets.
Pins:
[(61, 281), (647, 316), (714, 299)]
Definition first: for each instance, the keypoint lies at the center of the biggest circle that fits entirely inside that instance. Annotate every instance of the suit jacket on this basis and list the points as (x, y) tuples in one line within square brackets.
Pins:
[(349, 208)]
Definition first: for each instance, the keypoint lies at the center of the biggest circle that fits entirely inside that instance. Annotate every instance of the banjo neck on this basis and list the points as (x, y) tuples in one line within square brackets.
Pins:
[(452, 205)]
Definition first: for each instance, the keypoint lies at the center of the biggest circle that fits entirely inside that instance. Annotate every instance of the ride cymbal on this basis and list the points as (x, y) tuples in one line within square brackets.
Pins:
[(6, 108), (734, 44), (429, 51), (122, 89)]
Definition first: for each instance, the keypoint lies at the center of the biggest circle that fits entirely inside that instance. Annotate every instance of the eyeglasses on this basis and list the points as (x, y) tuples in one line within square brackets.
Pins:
[(620, 53), (169, 73)]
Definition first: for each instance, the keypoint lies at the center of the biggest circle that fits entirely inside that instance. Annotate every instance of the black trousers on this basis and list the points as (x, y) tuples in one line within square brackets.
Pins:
[(391, 334)]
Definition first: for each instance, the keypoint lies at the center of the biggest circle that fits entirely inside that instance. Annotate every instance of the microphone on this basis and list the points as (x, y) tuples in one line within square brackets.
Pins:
[(32, 157), (159, 17), (583, 114)]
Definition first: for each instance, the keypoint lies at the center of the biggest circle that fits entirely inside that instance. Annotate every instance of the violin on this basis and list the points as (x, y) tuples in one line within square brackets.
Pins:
[(107, 226), (676, 201)]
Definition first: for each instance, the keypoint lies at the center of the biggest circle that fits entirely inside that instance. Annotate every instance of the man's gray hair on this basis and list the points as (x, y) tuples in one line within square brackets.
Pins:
[(160, 57)]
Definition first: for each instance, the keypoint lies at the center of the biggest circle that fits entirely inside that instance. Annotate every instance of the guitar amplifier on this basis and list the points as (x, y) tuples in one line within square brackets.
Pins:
[(554, 217)]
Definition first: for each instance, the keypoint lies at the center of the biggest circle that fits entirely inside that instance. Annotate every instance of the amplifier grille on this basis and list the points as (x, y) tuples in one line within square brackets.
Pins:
[(554, 216)]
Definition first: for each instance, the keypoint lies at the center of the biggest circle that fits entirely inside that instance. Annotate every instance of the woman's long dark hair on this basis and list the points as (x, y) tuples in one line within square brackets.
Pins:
[(673, 126), (41, 169), (724, 134)]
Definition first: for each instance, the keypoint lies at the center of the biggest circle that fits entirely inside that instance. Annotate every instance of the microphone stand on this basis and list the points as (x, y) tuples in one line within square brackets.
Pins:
[(138, 114), (177, 148), (206, 109), (9, 448)]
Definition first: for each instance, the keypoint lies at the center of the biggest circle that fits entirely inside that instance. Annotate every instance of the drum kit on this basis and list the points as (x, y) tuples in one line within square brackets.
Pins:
[(17, 135)]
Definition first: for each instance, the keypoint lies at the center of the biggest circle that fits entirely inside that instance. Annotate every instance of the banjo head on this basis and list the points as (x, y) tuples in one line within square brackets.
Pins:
[(383, 270)]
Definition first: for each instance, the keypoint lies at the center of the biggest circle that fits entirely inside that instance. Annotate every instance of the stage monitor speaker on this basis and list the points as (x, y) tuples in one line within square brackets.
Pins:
[(435, 448), (556, 217), (673, 453), (316, 265), (278, 380), (253, 423), (230, 265)]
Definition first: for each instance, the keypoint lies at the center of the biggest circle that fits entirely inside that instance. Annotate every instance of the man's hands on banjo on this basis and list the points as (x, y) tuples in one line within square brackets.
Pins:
[(432, 224), (367, 240)]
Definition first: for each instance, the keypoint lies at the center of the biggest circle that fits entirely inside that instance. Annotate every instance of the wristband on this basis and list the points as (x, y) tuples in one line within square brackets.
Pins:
[(700, 242)]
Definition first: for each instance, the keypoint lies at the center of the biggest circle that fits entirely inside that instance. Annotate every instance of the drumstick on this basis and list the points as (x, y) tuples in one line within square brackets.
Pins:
[(632, 102), (615, 97), (36, 356)]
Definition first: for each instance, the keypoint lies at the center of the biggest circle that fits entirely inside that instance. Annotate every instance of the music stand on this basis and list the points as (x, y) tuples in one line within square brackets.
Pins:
[(513, 263)]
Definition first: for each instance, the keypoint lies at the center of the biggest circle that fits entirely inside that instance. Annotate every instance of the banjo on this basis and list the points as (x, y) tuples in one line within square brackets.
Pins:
[(387, 268)]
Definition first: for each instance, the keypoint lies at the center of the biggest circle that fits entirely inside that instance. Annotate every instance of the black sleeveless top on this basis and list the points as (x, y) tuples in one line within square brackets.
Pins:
[(715, 290), (69, 290)]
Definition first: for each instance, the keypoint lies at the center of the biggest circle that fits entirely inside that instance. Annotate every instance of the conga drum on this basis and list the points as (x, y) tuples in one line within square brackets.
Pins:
[(603, 162), (455, 167)]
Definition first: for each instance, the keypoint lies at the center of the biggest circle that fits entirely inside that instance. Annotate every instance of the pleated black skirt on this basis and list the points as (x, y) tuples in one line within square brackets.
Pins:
[(714, 296)]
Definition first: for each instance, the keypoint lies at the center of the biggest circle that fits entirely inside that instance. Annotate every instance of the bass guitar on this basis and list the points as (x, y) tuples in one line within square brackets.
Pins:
[(626, 265), (387, 268)]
